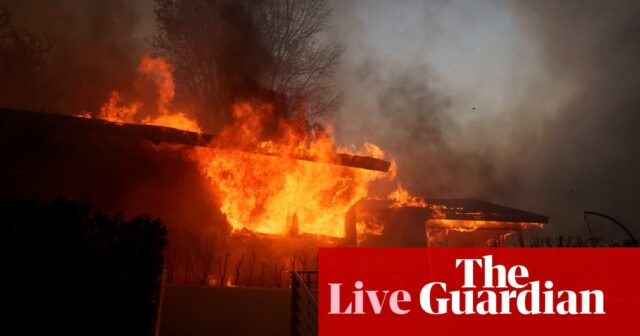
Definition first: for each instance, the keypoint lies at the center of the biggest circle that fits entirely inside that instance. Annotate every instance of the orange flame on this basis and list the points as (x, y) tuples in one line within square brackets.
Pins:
[(160, 73), (275, 194), (259, 184), (251, 167), (230, 282), (402, 198)]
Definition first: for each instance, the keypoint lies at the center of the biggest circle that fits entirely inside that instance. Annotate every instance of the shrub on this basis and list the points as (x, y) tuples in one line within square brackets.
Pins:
[(68, 268)]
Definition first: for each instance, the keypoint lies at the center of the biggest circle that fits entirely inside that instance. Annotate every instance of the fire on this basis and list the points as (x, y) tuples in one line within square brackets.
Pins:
[(472, 225), (457, 225), (366, 229), (402, 198), (256, 168), (250, 165), (114, 110), (278, 195), (230, 282), (158, 72)]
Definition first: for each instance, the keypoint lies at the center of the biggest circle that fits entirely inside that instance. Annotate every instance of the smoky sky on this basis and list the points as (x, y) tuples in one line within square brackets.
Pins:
[(527, 104), (97, 46)]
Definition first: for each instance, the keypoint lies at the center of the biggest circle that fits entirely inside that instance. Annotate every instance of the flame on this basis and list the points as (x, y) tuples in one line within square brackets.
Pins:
[(158, 72), (402, 198), (457, 225), (84, 114), (472, 225), (114, 109), (368, 149), (250, 165), (271, 194), (229, 282), (436, 236), (161, 73), (368, 228)]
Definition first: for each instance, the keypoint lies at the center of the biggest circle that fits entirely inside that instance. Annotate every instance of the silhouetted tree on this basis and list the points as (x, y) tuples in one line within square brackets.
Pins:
[(223, 263), (226, 50), (262, 274), (203, 247), (238, 267), (278, 270), (252, 263), (172, 259)]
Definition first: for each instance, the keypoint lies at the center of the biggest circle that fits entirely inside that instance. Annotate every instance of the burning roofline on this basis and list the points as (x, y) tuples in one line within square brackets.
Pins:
[(56, 122), (459, 209)]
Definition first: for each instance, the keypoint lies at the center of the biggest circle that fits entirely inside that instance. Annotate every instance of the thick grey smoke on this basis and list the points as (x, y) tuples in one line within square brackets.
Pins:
[(532, 105), (587, 153)]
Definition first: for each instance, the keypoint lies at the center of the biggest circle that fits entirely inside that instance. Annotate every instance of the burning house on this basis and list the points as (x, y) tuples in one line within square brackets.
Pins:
[(244, 206), (399, 220), (439, 223)]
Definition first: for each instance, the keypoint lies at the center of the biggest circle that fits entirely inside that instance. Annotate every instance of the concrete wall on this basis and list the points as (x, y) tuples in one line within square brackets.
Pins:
[(199, 310)]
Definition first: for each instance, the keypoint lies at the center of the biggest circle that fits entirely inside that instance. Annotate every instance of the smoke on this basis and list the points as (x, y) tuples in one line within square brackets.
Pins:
[(97, 45), (587, 158), (413, 85), (530, 105)]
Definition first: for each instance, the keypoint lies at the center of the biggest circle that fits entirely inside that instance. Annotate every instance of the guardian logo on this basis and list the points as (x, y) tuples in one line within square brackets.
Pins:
[(477, 291), (502, 291)]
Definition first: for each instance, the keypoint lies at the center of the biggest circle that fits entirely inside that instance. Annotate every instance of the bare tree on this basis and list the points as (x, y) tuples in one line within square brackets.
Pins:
[(188, 268), (238, 266), (222, 267), (302, 259), (252, 263), (203, 247), (278, 269), (227, 50), (171, 259), (302, 61), (292, 261), (262, 274)]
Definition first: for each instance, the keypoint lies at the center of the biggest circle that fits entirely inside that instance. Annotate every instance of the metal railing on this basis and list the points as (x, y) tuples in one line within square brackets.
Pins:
[(304, 303)]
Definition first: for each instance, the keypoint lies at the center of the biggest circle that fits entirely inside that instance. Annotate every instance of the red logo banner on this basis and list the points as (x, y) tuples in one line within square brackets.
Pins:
[(505, 291)]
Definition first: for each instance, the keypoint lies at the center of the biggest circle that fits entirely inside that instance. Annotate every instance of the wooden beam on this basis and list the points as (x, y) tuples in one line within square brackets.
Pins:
[(156, 134)]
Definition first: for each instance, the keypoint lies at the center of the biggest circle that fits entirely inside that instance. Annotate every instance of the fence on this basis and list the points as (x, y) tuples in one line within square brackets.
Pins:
[(304, 303)]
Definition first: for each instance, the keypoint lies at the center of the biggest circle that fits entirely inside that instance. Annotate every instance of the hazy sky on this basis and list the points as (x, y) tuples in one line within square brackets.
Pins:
[(529, 104)]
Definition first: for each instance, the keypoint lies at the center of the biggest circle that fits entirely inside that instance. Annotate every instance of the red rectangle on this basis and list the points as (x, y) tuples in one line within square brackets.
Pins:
[(582, 271)]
